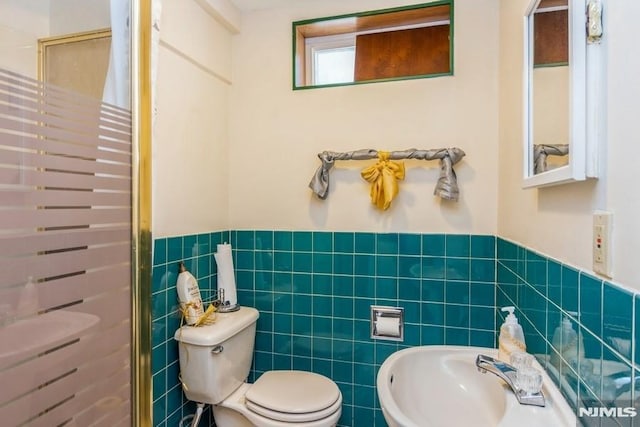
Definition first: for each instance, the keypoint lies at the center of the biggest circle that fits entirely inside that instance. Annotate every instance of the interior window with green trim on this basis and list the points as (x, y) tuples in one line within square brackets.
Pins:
[(389, 44)]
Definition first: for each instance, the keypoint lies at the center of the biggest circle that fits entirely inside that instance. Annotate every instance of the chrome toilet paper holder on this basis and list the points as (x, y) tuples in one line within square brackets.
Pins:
[(224, 306), (391, 326)]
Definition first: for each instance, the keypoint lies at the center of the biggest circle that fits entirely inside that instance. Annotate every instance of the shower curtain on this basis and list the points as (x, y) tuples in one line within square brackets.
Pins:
[(117, 83)]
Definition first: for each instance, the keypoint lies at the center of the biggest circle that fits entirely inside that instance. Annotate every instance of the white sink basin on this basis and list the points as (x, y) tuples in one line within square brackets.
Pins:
[(441, 386)]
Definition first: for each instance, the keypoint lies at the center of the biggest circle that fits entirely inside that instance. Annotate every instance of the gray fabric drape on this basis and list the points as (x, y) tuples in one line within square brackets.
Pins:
[(446, 187), (542, 151)]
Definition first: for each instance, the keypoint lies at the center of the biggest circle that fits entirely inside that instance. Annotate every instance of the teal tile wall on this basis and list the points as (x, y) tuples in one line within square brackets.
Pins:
[(314, 290), (196, 251), (545, 291)]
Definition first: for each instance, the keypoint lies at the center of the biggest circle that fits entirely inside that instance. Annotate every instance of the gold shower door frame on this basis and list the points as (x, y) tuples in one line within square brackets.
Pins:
[(141, 108)]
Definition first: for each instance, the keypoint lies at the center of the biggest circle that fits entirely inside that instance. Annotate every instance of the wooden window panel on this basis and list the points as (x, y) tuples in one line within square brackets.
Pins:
[(402, 53), (551, 38)]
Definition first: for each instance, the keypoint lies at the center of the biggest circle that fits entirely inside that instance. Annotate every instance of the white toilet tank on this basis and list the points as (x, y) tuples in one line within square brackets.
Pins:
[(215, 359)]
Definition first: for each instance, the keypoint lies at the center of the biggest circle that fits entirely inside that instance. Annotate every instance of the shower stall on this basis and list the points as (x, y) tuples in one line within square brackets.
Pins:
[(74, 213)]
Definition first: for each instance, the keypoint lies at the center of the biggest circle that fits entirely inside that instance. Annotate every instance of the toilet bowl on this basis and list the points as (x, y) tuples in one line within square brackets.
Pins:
[(284, 399), (215, 361)]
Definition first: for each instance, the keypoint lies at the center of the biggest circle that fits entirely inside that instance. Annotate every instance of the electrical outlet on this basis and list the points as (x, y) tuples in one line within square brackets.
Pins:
[(602, 225)]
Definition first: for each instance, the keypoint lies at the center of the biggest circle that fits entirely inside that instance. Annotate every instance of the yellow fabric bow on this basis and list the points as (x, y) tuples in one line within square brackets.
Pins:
[(383, 177)]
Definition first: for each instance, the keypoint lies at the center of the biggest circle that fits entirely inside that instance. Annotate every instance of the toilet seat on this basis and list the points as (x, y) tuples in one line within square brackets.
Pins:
[(293, 396)]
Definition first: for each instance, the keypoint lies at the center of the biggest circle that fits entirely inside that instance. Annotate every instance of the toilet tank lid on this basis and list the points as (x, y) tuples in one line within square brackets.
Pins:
[(225, 326)]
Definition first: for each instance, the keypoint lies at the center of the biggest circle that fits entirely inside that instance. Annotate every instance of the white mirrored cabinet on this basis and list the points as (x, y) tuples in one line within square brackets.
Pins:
[(562, 43)]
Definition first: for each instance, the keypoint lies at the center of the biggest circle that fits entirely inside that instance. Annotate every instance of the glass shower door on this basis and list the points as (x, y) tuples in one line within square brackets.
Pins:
[(65, 233)]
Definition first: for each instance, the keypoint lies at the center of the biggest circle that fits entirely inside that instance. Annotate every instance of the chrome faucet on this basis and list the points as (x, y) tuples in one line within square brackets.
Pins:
[(507, 373)]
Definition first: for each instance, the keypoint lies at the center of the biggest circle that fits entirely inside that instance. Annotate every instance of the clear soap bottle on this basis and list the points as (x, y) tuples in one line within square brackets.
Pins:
[(511, 336)]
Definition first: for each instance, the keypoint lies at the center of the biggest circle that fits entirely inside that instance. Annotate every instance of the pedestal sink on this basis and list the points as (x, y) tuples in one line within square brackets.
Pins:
[(441, 386)]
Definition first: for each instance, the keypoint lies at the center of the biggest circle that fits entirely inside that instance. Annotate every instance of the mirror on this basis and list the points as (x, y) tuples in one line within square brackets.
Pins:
[(390, 44), (558, 149)]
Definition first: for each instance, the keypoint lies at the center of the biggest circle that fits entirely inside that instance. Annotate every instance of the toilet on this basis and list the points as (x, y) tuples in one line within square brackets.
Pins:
[(214, 365)]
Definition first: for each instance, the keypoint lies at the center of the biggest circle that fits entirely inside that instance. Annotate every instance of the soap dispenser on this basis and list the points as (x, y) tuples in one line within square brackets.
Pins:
[(511, 336), (567, 343)]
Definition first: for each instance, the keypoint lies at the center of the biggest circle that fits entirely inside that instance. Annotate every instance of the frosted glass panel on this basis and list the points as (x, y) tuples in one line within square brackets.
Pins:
[(65, 257)]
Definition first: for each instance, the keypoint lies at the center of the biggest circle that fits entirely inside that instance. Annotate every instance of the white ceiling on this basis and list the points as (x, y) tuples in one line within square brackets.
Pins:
[(246, 5)]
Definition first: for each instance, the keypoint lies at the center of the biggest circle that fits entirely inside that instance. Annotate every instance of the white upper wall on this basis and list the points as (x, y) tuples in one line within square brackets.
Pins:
[(190, 141), (22, 22), (223, 11), (558, 220), (621, 172), (29, 15), (252, 170), (75, 16), (276, 132)]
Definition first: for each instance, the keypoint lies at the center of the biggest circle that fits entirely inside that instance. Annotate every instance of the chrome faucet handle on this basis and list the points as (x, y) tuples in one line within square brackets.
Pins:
[(508, 374), (483, 362)]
